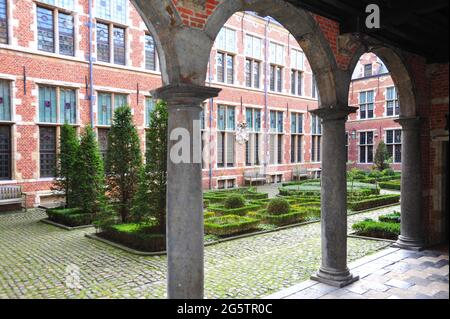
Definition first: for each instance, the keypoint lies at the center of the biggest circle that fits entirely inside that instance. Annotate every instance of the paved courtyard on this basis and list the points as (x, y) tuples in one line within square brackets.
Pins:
[(34, 258)]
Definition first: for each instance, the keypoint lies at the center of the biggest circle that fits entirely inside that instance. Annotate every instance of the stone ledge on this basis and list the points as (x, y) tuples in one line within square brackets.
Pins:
[(49, 222)]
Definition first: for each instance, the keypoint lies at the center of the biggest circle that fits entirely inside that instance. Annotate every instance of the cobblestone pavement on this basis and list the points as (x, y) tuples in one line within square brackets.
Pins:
[(34, 258), (390, 274)]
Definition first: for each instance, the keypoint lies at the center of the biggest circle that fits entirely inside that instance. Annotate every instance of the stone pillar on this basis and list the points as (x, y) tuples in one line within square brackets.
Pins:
[(333, 269), (184, 190), (411, 227)]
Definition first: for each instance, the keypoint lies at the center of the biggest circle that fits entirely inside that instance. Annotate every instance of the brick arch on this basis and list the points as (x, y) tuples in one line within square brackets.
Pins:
[(305, 29), (400, 73)]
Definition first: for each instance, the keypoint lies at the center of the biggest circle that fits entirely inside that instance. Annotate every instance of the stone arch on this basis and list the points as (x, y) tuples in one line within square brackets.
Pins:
[(301, 25), (401, 75)]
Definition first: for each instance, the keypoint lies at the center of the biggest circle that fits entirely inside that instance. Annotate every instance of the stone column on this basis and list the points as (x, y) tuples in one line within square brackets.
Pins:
[(411, 227), (333, 269), (184, 189)]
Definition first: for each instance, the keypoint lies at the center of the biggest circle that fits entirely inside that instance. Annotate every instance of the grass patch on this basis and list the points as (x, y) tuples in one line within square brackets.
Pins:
[(371, 228)]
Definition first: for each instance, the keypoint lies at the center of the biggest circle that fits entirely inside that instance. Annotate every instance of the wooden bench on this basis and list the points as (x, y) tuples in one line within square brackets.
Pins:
[(10, 195), (254, 176), (298, 173), (275, 177)]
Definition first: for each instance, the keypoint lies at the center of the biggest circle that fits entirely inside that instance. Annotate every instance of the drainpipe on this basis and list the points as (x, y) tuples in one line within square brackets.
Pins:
[(266, 88), (91, 67)]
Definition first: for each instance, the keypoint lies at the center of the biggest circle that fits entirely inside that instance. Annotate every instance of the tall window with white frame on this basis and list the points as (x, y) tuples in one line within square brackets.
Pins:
[(3, 22), (55, 27), (313, 87), (316, 139), (226, 126), (150, 53), (296, 137), (366, 105), (252, 146), (366, 147), (394, 145), (111, 33), (253, 61), (5, 130), (392, 105), (57, 105), (276, 67), (276, 137), (297, 72), (226, 50)]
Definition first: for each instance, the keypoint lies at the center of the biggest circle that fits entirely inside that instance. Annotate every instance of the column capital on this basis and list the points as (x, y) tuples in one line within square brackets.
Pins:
[(185, 94), (409, 123), (334, 113)]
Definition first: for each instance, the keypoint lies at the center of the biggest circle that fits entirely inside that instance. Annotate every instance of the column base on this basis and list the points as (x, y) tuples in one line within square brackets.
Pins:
[(334, 278), (409, 243)]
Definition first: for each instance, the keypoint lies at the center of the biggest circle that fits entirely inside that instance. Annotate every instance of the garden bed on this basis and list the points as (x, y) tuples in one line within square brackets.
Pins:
[(135, 236), (387, 227), (392, 184), (221, 209), (372, 202), (229, 225), (69, 217)]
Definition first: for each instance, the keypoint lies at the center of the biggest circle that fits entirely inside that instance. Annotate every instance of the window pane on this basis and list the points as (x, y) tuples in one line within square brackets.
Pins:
[(293, 123), (398, 154), (220, 67), (256, 74), (279, 80), (120, 100), (280, 149), (47, 150), (249, 118), (293, 140), (280, 122), (389, 137), (369, 137), (293, 80), (149, 106), (231, 118), (230, 149), (45, 30), (119, 11), (119, 46), (299, 148), (390, 108), (150, 53), (68, 107), (103, 42), (362, 154), (104, 109), (66, 31), (362, 138), (220, 149), (272, 78), (230, 69), (257, 120), (3, 22), (221, 117), (103, 9), (398, 136), (47, 104), (369, 154), (273, 121), (299, 83), (5, 101), (5, 152), (368, 70), (248, 73), (103, 142)]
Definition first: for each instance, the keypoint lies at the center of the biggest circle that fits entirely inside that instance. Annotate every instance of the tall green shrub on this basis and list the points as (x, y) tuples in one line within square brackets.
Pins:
[(66, 168), (90, 187), (381, 159), (150, 199), (123, 161)]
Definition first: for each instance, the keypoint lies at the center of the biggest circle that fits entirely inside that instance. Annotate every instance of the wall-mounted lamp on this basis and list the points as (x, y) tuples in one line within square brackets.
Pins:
[(353, 134)]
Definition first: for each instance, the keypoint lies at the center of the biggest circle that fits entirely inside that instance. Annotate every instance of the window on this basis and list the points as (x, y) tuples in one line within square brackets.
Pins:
[(296, 137), (104, 44), (346, 146), (5, 101), (313, 87), (366, 105), (149, 107), (47, 31), (276, 137), (296, 82), (150, 53), (253, 47), (113, 10), (3, 22), (52, 110), (394, 145), (66, 4), (316, 138), (276, 78), (120, 100), (252, 146), (252, 69), (225, 136), (368, 69), (226, 40), (366, 147), (392, 105), (276, 53), (103, 142), (47, 151), (225, 68), (105, 101), (5, 152)]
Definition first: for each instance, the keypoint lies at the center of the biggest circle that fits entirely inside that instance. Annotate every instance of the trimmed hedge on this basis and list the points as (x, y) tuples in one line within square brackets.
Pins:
[(395, 185), (71, 217), (278, 206), (390, 218), (209, 214), (376, 229), (220, 209), (373, 201), (135, 236), (283, 219), (229, 225), (234, 201)]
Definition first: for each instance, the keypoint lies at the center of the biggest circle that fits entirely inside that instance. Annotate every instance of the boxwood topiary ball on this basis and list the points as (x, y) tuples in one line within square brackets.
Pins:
[(278, 206), (234, 201)]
